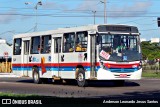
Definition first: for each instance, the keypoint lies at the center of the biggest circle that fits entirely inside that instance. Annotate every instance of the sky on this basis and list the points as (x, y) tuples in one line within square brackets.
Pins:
[(21, 16)]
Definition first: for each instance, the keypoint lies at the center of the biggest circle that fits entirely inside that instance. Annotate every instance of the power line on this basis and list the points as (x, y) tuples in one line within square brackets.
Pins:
[(133, 20), (71, 10), (55, 24), (149, 29), (64, 15)]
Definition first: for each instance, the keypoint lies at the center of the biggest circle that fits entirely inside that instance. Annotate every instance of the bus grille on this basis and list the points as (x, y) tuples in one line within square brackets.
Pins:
[(122, 70)]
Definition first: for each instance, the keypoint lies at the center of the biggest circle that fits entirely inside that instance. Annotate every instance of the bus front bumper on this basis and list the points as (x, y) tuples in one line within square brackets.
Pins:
[(103, 74)]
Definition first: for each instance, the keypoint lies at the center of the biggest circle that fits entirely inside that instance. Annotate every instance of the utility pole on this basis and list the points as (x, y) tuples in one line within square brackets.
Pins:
[(94, 12), (36, 8), (105, 13)]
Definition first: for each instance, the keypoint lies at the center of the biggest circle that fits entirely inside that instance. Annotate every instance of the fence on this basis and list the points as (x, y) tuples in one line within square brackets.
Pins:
[(5, 67), (151, 66)]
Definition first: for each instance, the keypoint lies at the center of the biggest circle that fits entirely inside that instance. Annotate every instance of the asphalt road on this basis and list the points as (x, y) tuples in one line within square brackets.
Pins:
[(144, 88)]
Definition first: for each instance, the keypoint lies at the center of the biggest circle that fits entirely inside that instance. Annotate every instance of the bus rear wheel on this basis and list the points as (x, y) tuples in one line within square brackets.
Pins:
[(81, 81), (36, 77)]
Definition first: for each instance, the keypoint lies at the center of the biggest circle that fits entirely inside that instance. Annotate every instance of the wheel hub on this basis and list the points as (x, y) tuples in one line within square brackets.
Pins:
[(36, 76), (80, 77)]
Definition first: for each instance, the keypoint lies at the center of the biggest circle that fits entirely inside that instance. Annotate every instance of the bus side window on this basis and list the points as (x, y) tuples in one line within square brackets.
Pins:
[(46, 44), (35, 45), (57, 45), (81, 41), (17, 46), (68, 43)]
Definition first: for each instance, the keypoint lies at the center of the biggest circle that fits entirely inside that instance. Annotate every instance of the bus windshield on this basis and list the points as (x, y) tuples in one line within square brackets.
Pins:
[(119, 47)]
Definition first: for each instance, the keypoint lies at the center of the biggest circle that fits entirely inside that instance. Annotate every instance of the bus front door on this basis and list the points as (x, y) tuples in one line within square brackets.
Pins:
[(25, 57), (93, 56)]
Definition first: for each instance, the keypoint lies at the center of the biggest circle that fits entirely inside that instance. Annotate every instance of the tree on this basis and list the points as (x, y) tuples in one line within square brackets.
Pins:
[(150, 50)]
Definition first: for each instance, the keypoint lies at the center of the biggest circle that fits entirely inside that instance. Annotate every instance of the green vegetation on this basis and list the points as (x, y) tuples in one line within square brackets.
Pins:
[(150, 50), (23, 96), (151, 74), (4, 94)]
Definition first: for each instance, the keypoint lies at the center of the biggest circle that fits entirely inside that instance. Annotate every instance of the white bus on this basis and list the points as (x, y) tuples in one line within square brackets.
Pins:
[(93, 52)]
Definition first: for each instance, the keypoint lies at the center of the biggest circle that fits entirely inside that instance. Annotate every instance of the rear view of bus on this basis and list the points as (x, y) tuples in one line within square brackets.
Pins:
[(118, 53)]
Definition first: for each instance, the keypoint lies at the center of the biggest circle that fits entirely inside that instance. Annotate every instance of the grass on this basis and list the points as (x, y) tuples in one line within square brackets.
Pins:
[(151, 74), (23, 96), (8, 94)]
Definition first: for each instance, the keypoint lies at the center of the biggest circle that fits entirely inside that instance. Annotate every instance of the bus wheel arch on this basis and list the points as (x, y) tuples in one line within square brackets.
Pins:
[(77, 69), (80, 76), (35, 75)]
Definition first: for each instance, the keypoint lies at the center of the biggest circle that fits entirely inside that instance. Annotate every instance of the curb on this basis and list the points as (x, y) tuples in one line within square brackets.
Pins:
[(146, 78), (3, 75)]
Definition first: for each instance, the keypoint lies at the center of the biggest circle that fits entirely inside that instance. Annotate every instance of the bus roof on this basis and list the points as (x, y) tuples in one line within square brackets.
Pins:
[(65, 30)]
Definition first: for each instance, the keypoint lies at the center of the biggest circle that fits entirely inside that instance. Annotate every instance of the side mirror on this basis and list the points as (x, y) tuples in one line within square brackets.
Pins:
[(98, 39), (158, 21)]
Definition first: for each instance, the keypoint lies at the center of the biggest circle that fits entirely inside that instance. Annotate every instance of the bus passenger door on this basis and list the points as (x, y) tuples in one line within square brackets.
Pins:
[(26, 57), (57, 56), (93, 53)]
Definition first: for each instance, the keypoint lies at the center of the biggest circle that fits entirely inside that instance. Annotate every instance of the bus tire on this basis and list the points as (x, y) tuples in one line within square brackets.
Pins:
[(119, 82), (81, 81), (36, 77), (44, 80)]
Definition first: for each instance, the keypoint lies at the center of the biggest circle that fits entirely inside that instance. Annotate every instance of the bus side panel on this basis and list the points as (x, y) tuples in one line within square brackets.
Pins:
[(69, 63), (43, 62), (16, 65), (46, 66), (56, 65)]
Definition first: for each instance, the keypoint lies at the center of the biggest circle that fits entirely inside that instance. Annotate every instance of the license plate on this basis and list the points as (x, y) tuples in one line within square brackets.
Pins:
[(123, 75)]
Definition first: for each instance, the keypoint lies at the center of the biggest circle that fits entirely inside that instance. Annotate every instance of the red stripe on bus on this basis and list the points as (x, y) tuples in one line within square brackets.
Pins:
[(75, 64), (53, 64)]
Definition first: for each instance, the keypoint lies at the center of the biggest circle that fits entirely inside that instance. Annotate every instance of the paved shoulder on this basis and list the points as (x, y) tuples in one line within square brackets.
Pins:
[(7, 75)]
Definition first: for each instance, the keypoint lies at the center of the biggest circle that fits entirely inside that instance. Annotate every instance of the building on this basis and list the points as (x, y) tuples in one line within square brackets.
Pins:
[(5, 48), (143, 40), (155, 40), (5, 57)]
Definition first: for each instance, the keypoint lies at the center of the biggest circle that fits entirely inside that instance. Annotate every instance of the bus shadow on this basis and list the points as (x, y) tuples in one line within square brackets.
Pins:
[(93, 83), (111, 84), (26, 81), (100, 84), (136, 95)]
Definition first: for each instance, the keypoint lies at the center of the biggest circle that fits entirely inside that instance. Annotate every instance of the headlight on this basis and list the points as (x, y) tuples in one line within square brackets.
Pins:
[(140, 65)]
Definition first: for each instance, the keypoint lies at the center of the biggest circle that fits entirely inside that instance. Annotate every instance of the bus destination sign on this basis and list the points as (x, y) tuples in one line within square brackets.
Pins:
[(124, 29)]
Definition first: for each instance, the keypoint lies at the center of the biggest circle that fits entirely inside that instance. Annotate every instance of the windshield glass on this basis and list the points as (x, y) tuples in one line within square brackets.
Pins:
[(119, 47)]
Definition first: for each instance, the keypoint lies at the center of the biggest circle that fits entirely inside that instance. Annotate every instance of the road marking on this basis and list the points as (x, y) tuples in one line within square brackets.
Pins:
[(11, 82), (3, 82)]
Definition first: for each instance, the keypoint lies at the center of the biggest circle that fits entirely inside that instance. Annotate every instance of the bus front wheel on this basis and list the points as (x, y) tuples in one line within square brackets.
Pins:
[(81, 81)]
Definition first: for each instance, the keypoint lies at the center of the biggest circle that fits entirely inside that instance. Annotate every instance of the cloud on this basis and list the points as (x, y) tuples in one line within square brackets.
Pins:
[(89, 5), (46, 7), (134, 10), (7, 17), (53, 5)]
